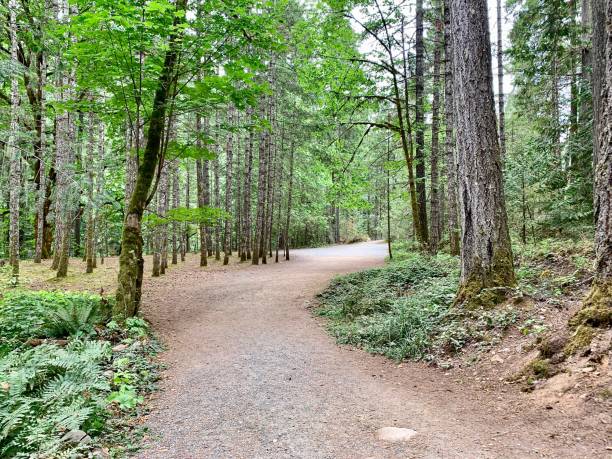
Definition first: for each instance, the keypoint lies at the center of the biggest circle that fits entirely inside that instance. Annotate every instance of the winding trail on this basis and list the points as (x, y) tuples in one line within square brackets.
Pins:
[(252, 374)]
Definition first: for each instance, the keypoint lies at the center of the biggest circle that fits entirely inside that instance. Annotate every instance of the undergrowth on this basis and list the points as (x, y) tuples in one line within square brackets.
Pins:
[(403, 310), (71, 382)]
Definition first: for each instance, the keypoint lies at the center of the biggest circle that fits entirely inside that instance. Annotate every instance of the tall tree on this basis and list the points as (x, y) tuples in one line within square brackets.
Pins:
[(434, 194), (500, 80), (13, 152), (449, 141), (597, 308), (419, 89), (129, 289), (229, 159), (486, 254)]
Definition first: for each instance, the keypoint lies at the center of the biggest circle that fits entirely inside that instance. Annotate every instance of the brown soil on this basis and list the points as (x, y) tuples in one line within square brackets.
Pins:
[(251, 374)]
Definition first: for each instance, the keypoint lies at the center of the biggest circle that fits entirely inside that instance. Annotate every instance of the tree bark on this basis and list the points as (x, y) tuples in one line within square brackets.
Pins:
[(486, 254)]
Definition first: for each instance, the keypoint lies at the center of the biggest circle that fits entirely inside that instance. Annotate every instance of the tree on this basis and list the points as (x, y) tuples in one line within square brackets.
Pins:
[(597, 308), (12, 150), (486, 254), (131, 262), (435, 234)]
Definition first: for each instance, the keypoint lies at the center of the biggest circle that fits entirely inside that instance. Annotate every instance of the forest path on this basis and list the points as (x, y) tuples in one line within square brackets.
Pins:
[(253, 375)]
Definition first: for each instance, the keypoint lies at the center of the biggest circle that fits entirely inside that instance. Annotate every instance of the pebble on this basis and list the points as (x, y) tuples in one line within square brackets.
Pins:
[(395, 434)]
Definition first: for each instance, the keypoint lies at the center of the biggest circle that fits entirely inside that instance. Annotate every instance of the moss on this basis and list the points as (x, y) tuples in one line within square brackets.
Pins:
[(579, 340), (540, 368), (597, 308), (487, 288)]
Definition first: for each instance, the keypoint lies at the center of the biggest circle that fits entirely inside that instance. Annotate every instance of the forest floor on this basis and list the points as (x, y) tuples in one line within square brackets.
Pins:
[(252, 374)]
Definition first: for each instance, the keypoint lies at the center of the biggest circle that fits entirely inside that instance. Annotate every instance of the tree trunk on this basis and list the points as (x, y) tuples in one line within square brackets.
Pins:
[(229, 159), (434, 234), (91, 218), (289, 197), (248, 173), (131, 262), (13, 152), (218, 205), (175, 205), (486, 254), (259, 222), (100, 242), (500, 80), (420, 123), (202, 185), (185, 236), (597, 308), (41, 210), (451, 159)]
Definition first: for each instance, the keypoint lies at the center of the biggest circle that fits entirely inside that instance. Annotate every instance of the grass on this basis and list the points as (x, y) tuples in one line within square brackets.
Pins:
[(39, 276)]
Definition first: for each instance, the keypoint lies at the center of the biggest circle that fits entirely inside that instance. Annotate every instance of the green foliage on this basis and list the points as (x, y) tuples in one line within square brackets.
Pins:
[(25, 315), (47, 390), (404, 310), (395, 310), (206, 215)]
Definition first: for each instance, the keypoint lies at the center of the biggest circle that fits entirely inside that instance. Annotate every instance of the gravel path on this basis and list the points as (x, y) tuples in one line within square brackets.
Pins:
[(253, 375)]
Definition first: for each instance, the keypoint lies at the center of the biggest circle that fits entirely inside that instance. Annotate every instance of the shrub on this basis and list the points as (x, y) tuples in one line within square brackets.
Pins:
[(49, 390), (25, 315)]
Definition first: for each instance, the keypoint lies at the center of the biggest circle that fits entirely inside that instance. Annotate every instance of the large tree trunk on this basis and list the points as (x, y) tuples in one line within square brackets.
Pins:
[(419, 156), (449, 142), (12, 151), (597, 308), (486, 254), (131, 262), (434, 234)]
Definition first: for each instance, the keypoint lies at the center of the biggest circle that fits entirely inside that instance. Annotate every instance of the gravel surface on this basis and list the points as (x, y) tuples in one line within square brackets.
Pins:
[(252, 374)]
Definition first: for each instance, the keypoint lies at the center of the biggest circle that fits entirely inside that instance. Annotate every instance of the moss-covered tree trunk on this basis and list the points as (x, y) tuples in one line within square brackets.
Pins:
[(597, 308), (486, 255), (129, 289)]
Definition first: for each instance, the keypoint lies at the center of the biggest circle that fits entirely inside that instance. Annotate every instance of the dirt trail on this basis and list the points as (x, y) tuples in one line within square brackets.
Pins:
[(253, 375)]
